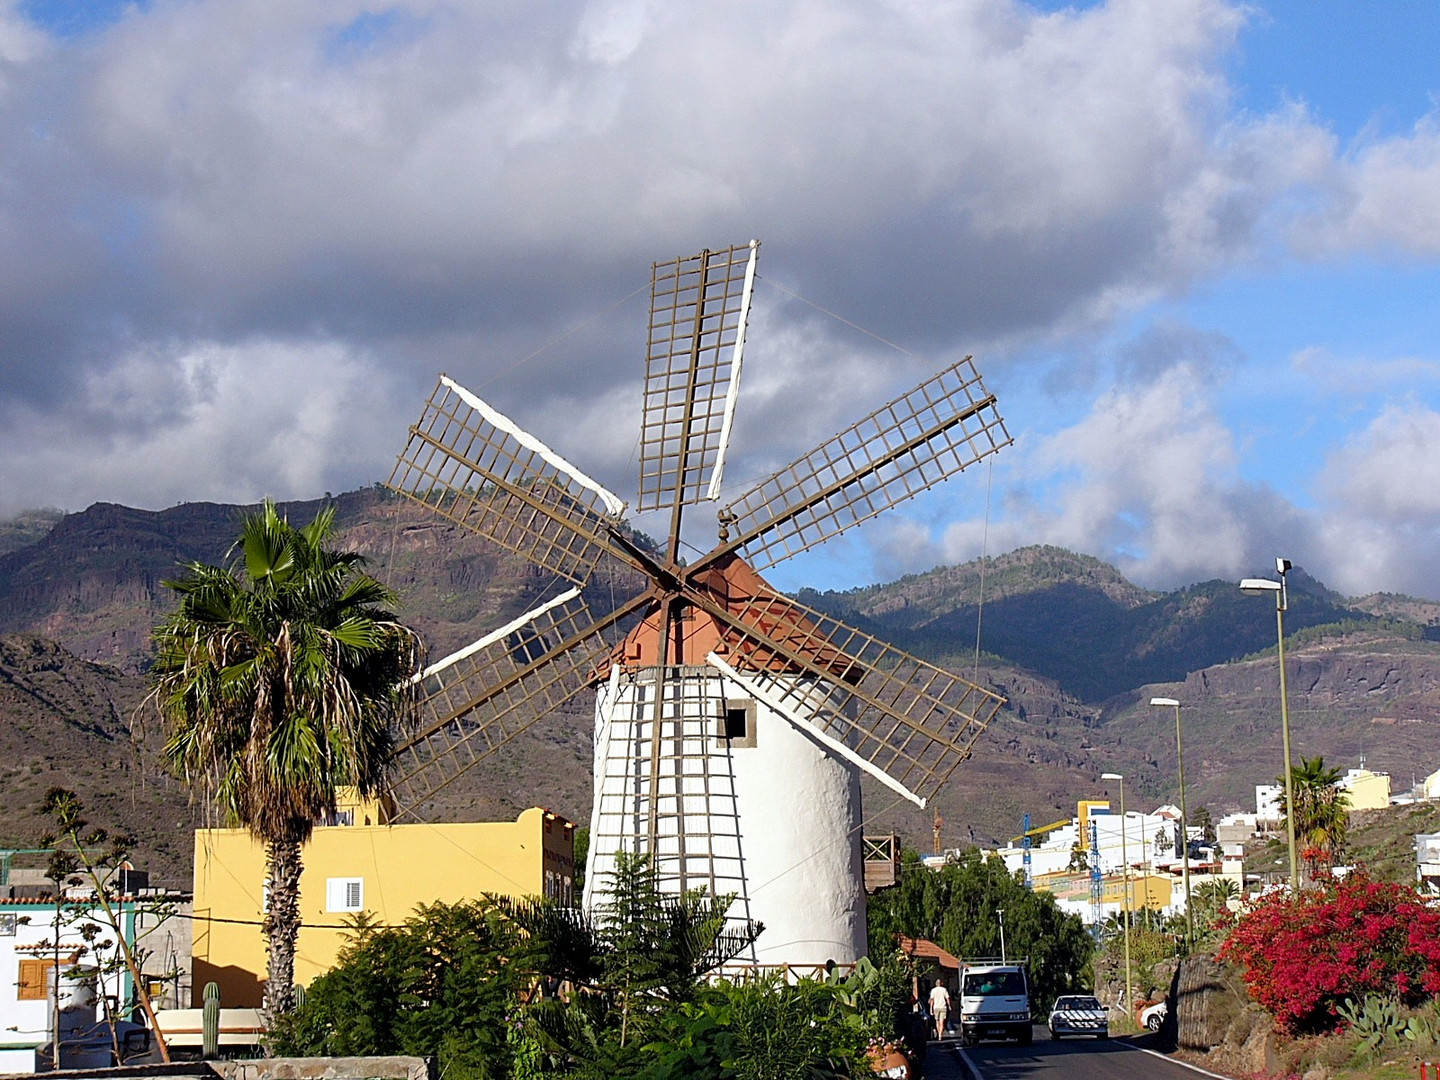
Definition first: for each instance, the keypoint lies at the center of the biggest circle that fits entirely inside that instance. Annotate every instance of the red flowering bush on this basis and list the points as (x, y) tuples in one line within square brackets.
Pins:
[(1305, 954)]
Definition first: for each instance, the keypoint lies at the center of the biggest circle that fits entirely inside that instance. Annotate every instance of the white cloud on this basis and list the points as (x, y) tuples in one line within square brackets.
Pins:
[(231, 185), (1384, 196), (1147, 481), (482, 168), (1381, 521), (1338, 373), (230, 423)]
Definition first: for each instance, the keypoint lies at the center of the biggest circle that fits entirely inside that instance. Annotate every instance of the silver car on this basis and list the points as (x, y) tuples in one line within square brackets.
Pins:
[(1078, 1014)]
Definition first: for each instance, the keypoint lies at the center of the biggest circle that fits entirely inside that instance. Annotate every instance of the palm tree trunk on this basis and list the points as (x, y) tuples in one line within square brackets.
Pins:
[(281, 925)]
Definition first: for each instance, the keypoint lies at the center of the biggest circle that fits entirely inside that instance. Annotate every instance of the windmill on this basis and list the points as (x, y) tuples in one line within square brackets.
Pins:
[(732, 723)]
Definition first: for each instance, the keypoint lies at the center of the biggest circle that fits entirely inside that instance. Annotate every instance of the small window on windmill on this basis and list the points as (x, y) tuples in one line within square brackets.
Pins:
[(736, 726)]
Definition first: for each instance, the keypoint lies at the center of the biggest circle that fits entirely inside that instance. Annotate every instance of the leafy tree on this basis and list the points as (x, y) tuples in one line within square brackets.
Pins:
[(1305, 954), (1202, 820), (641, 957), (1321, 812), (279, 680), (445, 984), (955, 907), (762, 1029)]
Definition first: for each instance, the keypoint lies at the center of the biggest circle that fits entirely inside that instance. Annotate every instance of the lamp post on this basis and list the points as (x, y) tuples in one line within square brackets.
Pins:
[(1124, 858), (1184, 822), (1000, 912), (1260, 587)]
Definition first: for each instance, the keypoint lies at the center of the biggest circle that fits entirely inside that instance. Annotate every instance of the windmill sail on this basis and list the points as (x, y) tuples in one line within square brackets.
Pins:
[(478, 699), (943, 426), (691, 798), (911, 720), (698, 308), (473, 466)]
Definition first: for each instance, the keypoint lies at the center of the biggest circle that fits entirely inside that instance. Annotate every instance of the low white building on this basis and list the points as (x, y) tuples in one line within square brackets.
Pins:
[(1427, 861), (1267, 803), (42, 955), (1145, 841)]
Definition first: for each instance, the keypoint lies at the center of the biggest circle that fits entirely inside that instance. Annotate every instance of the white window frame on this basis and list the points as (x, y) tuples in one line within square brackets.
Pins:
[(344, 894)]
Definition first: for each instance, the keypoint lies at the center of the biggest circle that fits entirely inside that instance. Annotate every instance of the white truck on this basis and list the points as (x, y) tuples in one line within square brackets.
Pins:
[(994, 1002)]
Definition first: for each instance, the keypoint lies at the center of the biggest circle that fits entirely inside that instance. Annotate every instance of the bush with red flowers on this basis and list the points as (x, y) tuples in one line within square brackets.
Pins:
[(1304, 955)]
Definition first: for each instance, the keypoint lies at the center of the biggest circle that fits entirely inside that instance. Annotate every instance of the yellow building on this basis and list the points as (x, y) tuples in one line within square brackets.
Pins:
[(360, 864), (1083, 809), (1365, 790), (1146, 890)]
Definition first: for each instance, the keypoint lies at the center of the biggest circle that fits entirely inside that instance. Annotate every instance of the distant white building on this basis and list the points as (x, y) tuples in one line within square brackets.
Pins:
[(1267, 802), (1430, 786), (1427, 861)]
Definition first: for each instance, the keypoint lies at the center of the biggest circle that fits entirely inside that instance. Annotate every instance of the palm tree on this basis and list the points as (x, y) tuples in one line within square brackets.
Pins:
[(1322, 814), (279, 680)]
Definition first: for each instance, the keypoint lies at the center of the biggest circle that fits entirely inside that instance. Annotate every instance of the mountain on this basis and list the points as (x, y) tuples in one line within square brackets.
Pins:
[(73, 724), (1076, 620), (1076, 649), (94, 582)]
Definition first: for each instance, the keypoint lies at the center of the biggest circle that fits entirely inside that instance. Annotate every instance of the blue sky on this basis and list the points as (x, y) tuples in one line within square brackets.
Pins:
[(1194, 247)]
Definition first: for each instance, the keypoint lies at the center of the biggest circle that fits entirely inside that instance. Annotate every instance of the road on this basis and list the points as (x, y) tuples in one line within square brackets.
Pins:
[(1045, 1059)]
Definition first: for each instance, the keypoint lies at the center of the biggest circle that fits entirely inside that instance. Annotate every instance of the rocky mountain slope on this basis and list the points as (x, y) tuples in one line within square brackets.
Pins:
[(1076, 648), (69, 723)]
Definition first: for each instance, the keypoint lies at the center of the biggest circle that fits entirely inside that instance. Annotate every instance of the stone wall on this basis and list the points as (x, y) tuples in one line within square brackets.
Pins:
[(347, 1068), (1212, 1013), (350, 1068)]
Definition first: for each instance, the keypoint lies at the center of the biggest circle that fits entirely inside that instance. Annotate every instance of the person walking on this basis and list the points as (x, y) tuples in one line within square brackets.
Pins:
[(939, 1007)]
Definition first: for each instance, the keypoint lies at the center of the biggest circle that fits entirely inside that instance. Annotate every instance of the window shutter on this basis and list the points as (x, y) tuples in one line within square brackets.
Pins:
[(34, 976)]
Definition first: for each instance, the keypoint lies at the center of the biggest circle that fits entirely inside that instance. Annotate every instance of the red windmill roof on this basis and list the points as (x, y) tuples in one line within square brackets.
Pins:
[(732, 585)]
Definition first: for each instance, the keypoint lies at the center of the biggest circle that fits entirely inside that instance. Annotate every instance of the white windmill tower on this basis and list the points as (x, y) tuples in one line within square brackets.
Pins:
[(732, 723)]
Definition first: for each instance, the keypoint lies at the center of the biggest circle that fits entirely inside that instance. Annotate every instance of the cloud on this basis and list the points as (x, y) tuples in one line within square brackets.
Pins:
[(1382, 504), (463, 179), (1383, 196), (228, 227), (207, 421), (1146, 480)]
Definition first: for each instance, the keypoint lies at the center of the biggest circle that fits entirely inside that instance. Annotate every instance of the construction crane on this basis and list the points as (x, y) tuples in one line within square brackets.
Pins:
[(1029, 878), (1038, 830), (1097, 882)]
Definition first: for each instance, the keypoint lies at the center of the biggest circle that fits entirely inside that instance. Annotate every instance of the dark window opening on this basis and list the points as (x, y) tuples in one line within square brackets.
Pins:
[(737, 723)]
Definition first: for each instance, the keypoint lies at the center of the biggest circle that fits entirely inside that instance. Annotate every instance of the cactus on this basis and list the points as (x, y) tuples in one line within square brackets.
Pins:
[(210, 1023), (1375, 1021), (299, 997)]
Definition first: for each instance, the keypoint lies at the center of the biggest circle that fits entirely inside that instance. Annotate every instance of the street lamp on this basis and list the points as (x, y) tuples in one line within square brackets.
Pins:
[(1125, 858), (1260, 587), (1184, 826), (1001, 913)]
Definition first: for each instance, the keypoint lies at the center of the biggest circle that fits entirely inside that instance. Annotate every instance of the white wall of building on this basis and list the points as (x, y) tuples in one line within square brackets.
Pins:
[(27, 932), (774, 819)]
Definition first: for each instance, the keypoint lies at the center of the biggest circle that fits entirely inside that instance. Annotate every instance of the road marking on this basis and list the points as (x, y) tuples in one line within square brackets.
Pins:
[(975, 1073), (1173, 1061)]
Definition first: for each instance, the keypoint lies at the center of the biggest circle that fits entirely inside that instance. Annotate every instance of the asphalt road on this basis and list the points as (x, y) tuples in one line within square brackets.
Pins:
[(1045, 1059)]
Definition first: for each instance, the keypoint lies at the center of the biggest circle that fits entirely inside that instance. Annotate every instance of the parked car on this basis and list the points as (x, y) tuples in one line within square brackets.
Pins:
[(1078, 1014), (1152, 1016)]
